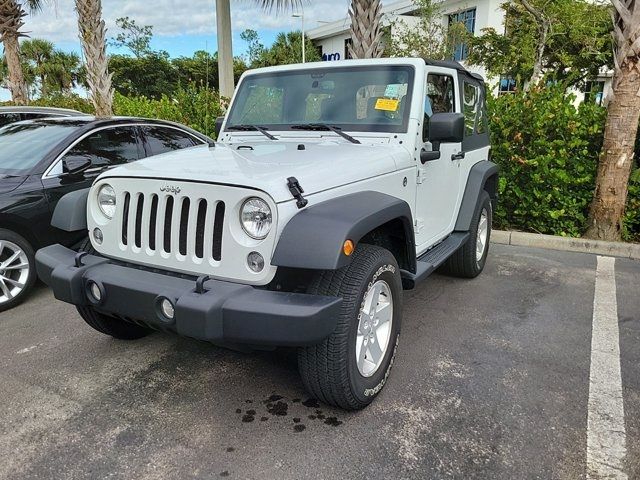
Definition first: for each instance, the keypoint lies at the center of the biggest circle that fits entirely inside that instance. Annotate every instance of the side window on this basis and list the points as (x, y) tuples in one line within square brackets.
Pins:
[(108, 147), (440, 98), (8, 118), (161, 139), (474, 110)]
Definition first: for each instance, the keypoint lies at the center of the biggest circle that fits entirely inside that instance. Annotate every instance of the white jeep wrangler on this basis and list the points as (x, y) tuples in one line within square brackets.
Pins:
[(333, 187)]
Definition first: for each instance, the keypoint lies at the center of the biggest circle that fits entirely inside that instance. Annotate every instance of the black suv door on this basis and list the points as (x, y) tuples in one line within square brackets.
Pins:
[(104, 148)]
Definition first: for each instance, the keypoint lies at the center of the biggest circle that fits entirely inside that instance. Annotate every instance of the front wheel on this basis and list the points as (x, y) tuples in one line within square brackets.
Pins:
[(17, 269), (351, 366)]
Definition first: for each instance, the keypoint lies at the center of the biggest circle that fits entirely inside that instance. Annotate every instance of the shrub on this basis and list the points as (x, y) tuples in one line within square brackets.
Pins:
[(193, 106), (547, 149)]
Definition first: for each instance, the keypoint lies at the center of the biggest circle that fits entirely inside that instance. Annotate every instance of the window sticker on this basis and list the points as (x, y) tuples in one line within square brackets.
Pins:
[(387, 104), (392, 91)]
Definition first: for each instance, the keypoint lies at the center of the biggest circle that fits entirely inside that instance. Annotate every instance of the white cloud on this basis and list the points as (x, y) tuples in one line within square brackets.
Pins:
[(174, 18)]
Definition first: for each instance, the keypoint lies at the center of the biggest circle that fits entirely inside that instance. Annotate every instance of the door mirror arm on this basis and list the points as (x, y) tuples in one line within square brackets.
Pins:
[(429, 155), (75, 165)]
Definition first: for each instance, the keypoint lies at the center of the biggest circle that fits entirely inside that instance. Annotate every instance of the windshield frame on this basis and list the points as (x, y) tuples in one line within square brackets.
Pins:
[(49, 155), (387, 128)]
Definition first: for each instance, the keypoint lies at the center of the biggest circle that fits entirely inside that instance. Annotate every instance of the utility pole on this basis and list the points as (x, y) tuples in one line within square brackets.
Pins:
[(301, 17), (225, 50)]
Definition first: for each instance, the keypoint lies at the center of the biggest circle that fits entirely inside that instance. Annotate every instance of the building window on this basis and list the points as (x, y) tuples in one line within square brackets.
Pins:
[(594, 92), (347, 43), (319, 50), (507, 85), (468, 19)]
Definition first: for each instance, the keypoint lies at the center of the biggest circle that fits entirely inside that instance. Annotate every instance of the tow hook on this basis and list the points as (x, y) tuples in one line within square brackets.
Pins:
[(297, 191)]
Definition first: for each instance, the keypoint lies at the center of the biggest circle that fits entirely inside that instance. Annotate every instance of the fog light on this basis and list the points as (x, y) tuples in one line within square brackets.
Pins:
[(95, 292), (167, 309), (255, 262), (97, 236)]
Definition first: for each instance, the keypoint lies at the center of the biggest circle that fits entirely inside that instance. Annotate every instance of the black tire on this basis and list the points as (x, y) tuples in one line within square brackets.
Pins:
[(329, 370), (7, 303), (114, 327), (465, 262)]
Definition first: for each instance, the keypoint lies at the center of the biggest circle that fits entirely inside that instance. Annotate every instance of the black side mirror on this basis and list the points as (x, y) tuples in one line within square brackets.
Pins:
[(446, 128), (73, 165), (219, 122)]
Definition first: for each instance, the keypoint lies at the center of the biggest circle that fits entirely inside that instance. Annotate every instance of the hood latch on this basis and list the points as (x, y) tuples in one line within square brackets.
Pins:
[(297, 191)]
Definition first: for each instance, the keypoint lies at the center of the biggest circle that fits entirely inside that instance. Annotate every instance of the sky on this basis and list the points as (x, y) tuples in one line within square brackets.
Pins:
[(181, 27)]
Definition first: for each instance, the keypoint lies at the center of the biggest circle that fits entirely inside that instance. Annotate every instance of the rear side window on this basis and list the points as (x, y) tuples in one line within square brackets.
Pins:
[(474, 110), (108, 147), (7, 118), (162, 139)]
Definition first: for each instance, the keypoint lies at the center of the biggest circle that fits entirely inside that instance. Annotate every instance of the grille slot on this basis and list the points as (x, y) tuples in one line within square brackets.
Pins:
[(178, 226)]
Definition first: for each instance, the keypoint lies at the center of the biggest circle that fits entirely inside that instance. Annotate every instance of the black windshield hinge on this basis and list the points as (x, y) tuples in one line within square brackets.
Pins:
[(297, 191)]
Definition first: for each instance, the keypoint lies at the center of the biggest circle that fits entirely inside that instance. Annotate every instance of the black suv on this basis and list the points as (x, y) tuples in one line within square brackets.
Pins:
[(18, 114), (42, 160)]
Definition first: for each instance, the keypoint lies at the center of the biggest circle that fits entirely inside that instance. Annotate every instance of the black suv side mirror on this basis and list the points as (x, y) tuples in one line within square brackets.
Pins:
[(446, 128), (218, 127), (73, 165)]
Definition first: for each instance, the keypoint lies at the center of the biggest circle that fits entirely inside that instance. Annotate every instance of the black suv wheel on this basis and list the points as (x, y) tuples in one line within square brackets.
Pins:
[(351, 366)]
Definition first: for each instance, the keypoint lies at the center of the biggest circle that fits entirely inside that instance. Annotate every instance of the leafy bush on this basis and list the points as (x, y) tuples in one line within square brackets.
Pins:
[(196, 107), (547, 149)]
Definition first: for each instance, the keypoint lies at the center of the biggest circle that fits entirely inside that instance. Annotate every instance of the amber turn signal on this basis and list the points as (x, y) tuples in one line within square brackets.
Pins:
[(348, 248)]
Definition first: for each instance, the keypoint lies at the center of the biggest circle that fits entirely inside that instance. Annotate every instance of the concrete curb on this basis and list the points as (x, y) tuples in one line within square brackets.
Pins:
[(535, 240)]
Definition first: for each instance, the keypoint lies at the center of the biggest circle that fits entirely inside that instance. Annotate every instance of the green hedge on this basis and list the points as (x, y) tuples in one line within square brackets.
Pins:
[(547, 149)]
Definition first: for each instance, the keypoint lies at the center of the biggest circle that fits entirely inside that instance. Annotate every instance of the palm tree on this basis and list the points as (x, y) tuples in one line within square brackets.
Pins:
[(366, 29), (37, 54), (623, 113), (12, 13), (93, 37), (225, 50)]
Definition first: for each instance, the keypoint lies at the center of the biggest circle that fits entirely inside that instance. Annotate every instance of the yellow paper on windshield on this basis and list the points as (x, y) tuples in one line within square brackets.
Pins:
[(387, 104)]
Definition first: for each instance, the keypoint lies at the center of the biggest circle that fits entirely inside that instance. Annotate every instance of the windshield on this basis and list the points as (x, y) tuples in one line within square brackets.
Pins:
[(24, 145), (370, 98)]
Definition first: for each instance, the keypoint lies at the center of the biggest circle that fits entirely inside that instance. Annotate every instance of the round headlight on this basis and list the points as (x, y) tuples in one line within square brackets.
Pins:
[(107, 201), (256, 218)]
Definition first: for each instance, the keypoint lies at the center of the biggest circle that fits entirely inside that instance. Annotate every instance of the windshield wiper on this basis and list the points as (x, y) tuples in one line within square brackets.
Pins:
[(324, 126), (253, 128)]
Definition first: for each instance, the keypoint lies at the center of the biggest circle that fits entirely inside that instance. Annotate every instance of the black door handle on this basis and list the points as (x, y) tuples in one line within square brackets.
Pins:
[(457, 156)]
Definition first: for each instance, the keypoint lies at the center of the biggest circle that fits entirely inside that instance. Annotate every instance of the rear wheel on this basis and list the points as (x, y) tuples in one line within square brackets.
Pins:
[(17, 269), (469, 260), (111, 326), (351, 366)]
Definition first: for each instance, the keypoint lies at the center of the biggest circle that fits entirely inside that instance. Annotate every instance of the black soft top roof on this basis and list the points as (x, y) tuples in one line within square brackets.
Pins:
[(454, 65)]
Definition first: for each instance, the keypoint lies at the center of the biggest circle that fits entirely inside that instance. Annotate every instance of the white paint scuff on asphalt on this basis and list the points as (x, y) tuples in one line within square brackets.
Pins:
[(606, 438)]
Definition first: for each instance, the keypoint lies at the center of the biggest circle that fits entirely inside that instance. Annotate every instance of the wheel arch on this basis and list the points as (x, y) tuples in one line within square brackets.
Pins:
[(483, 177), (8, 222), (314, 238)]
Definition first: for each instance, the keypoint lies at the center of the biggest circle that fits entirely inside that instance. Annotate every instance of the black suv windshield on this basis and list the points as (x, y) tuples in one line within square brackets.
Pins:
[(368, 98), (24, 145)]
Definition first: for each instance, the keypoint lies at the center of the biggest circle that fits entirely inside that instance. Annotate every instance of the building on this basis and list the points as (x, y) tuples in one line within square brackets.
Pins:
[(332, 38)]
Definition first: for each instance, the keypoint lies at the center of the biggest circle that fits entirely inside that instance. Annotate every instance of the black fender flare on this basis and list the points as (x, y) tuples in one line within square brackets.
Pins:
[(314, 238), (479, 174), (70, 213)]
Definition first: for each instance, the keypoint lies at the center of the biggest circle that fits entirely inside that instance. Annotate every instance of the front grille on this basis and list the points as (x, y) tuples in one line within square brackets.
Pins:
[(178, 226)]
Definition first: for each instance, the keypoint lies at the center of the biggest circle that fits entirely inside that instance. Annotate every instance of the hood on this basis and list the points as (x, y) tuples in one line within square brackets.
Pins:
[(8, 183), (267, 165)]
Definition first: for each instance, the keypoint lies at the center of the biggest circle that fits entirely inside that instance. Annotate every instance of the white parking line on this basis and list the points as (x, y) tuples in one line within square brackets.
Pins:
[(606, 438)]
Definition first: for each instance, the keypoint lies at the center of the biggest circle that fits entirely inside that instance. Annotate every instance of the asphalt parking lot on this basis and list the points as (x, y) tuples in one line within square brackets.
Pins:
[(492, 380)]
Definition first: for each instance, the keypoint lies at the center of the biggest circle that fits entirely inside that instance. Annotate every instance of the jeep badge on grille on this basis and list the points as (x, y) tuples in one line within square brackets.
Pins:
[(170, 189)]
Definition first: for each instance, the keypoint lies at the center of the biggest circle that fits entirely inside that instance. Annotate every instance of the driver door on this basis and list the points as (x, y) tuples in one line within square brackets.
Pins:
[(438, 188)]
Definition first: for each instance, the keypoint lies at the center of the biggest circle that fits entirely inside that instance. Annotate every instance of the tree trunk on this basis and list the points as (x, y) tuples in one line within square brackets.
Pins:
[(366, 30), (544, 25), (16, 82), (93, 37), (616, 159), (11, 15)]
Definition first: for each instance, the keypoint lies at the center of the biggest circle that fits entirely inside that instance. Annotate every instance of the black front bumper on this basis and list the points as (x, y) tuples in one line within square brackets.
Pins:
[(225, 312)]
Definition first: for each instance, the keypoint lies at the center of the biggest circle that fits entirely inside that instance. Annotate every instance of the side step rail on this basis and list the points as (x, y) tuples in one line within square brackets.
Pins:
[(433, 258)]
